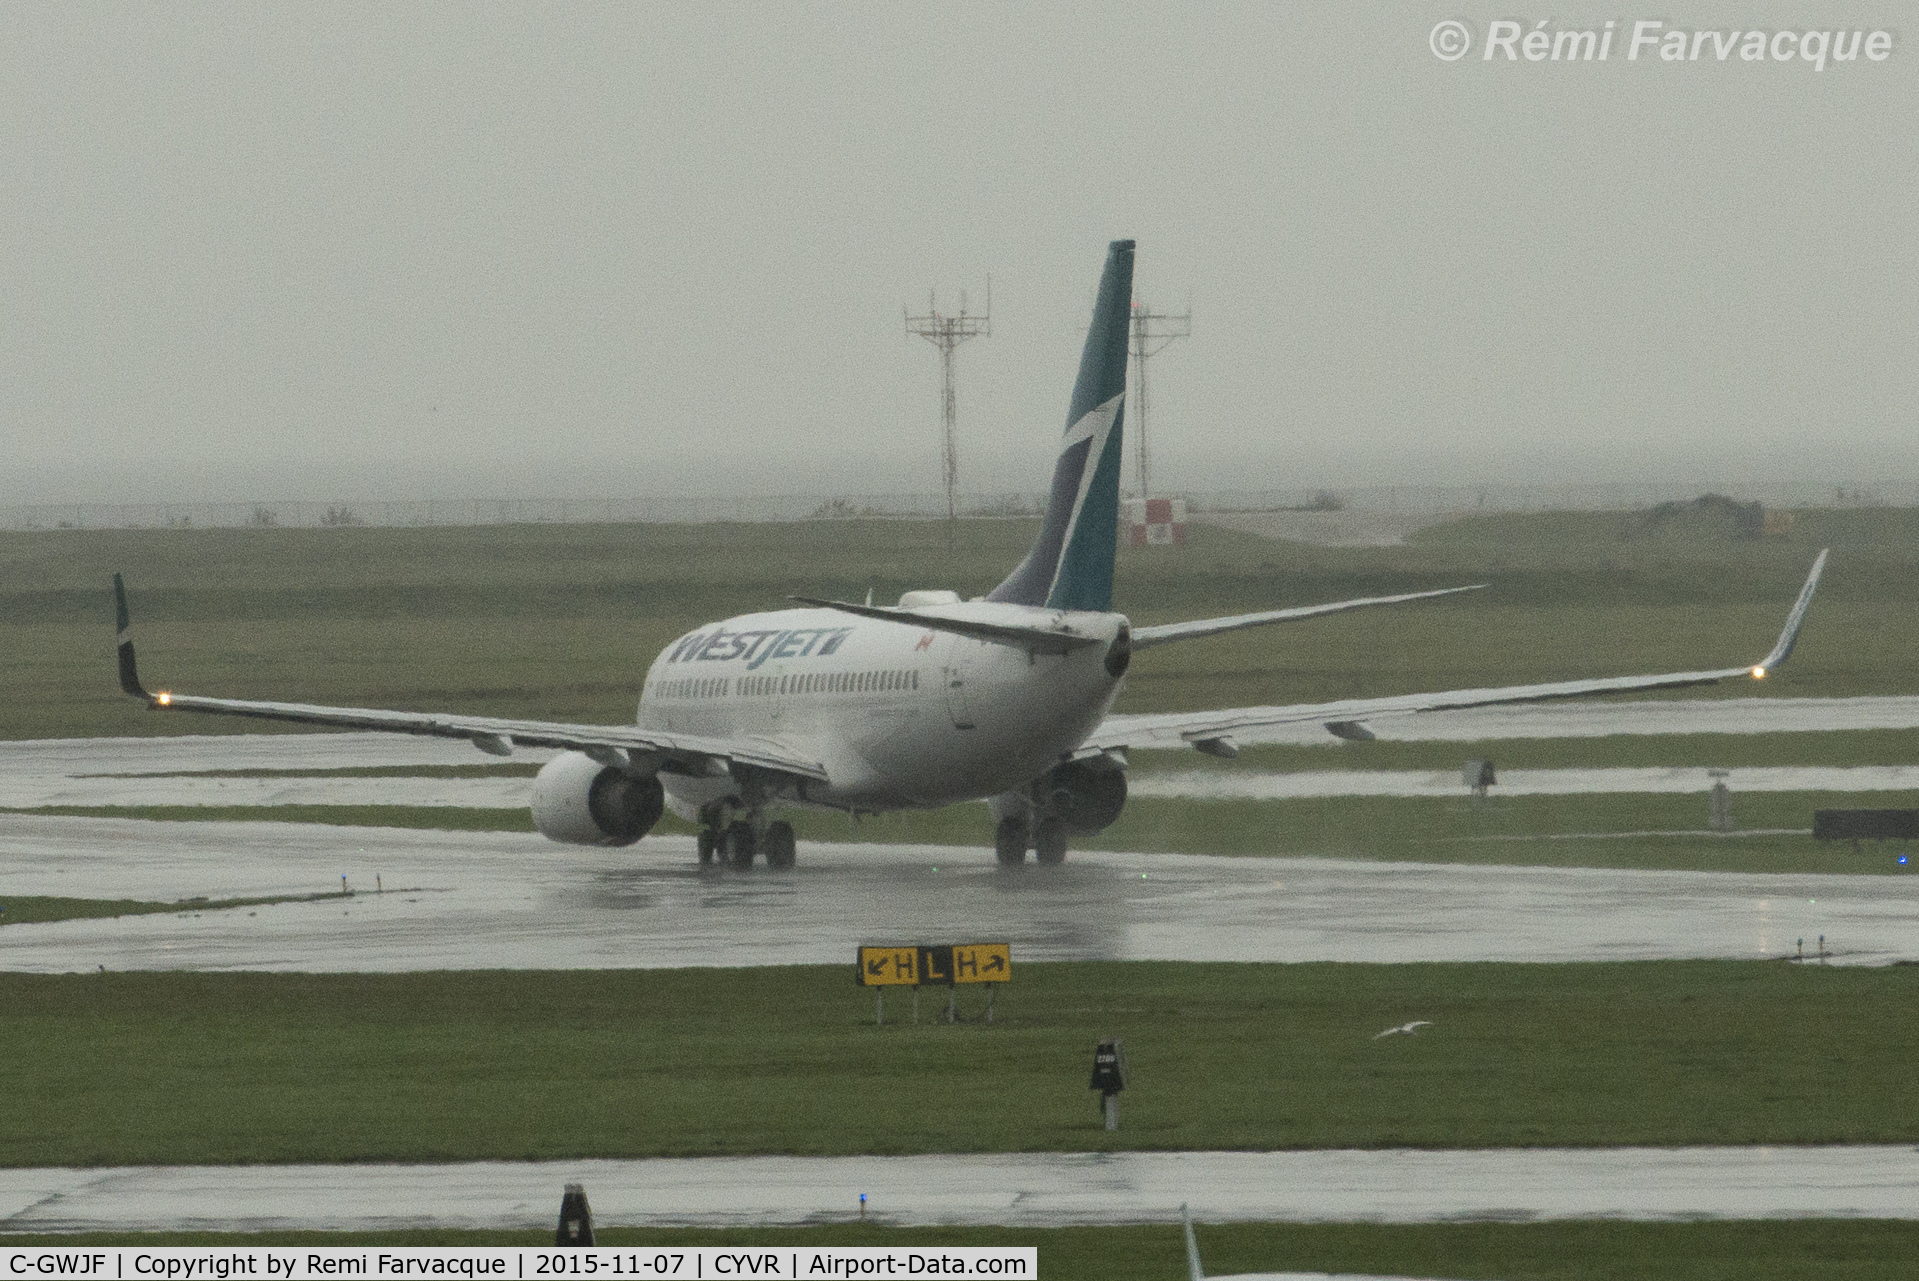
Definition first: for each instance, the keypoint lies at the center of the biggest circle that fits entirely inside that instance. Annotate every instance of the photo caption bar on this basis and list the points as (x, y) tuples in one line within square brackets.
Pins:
[(691, 1263)]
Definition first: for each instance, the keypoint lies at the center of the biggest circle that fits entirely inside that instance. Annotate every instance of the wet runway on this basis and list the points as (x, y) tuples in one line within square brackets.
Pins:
[(1032, 1190), (26, 791), (174, 771), (486, 900)]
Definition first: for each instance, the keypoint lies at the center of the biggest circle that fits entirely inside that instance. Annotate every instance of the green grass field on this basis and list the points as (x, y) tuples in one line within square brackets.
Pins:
[(32, 910), (185, 1068), (443, 818), (1779, 1250), (560, 621)]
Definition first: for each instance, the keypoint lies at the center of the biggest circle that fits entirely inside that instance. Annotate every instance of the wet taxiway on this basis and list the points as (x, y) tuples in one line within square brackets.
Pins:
[(1032, 1190), (186, 771), (485, 900), (27, 791)]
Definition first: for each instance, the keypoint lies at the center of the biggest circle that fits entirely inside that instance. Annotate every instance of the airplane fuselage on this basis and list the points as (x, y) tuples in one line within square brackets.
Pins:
[(901, 716)]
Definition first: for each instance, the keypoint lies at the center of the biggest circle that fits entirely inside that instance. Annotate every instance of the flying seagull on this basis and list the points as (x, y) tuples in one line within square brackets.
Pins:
[(1407, 1028)]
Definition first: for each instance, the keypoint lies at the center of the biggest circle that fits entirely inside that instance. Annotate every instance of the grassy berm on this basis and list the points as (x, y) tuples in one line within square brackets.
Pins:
[(186, 1068), (34, 909)]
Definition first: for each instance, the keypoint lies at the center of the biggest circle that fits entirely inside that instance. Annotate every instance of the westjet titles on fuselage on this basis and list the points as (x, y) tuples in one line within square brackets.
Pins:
[(756, 647)]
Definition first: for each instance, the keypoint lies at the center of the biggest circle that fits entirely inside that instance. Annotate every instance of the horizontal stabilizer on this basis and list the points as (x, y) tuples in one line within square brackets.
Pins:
[(1043, 640)]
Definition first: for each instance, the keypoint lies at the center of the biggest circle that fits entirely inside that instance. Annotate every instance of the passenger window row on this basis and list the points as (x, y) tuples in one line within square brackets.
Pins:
[(830, 683), (693, 687), (875, 682)]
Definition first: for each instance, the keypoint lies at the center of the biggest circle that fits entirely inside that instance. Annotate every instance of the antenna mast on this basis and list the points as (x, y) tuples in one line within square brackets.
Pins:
[(1153, 332), (947, 333)]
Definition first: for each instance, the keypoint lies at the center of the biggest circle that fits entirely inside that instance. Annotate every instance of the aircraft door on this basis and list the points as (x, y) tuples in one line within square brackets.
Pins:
[(776, 694), (956, 672)]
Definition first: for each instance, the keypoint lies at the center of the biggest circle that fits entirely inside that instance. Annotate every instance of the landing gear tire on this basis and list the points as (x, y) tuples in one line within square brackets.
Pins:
[(1009, 842), (1049, 841), (708, 844), (736, 845), (779, 845)]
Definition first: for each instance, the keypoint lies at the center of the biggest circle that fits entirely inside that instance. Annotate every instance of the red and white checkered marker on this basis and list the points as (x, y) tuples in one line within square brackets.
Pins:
[(1156, 522)]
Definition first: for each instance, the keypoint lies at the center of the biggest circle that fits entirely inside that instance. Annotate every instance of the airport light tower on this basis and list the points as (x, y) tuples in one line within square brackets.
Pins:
[(947, 333), (1153, 332)]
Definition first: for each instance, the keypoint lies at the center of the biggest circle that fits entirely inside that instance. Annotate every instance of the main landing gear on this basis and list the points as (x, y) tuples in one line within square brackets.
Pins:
[(735, 843), (1047, 839)]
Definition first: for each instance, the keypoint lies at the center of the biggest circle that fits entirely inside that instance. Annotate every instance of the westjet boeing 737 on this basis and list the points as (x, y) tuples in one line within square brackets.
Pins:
[(865, 708)]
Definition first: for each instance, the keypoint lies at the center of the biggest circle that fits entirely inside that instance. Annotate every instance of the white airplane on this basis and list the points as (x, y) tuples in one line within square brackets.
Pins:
[(865, 708)]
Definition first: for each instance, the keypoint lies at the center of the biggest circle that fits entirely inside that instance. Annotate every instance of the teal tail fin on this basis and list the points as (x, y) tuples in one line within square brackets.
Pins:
[(1071, 563)]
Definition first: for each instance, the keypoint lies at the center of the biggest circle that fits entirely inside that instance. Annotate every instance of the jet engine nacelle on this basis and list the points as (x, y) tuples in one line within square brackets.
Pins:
[(578, 801), (1086, 795)]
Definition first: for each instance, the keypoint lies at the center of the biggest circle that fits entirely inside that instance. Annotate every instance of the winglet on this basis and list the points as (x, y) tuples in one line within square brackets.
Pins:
[(129, 673), (1790, 636), (1193, 1271)]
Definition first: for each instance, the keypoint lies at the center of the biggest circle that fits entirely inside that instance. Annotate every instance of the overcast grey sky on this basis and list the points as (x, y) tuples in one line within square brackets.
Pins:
[(271, 251)]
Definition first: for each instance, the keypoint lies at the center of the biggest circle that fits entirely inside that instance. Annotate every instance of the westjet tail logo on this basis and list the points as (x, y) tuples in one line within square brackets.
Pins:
[(1095, 510), (720, 645)]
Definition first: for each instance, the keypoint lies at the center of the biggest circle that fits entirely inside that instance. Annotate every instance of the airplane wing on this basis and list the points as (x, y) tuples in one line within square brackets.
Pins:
[(1165, 633), (612, 744), (1212, 732)]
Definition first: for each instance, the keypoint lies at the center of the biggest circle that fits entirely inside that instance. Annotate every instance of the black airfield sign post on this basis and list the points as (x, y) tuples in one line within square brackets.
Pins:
[(1109, 1078), (945, 965)]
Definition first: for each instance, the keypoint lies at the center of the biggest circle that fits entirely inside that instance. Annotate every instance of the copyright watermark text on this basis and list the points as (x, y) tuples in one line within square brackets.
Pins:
[(1650, 39)]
